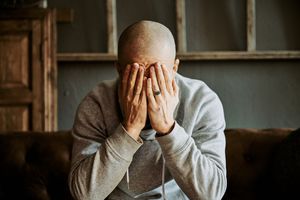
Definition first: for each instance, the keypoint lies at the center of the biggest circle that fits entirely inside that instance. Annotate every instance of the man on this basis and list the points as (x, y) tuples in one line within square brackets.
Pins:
[(152, 133)]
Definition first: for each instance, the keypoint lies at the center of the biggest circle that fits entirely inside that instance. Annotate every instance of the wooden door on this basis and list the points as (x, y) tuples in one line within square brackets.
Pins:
[(28, 70)]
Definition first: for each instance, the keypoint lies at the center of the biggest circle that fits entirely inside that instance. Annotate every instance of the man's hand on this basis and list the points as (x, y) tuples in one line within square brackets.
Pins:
[(162, 95), (134, 100)]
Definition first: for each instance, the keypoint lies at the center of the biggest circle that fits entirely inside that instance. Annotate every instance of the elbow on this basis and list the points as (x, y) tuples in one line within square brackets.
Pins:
[(74, 187), (213, 188), (221, 187), (81, 188), (77, 187), (218, 186)]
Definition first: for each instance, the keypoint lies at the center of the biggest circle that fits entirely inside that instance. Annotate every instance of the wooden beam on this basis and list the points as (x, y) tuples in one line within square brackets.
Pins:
[(111, 26), (181, 26), (64, 15), (240, 55), (191, 56), (251, 26), (85, 57)]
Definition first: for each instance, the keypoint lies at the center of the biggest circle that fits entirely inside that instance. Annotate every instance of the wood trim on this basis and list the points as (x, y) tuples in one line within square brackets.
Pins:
[(52, 77), (50, 72), (240, 55), (74, 57), (64, 15), (190, 56), (17, 25), (37, 80), (111, 26), (30, 13), (251, 25), (181, 26)]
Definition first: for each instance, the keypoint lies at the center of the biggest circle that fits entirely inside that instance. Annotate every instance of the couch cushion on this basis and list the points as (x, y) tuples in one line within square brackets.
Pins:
[(248, 153), (285, 168), (34, 165)]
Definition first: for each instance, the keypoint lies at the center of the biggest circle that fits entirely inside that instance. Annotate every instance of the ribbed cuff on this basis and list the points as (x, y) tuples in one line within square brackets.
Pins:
[(122, 144), (174, 141)]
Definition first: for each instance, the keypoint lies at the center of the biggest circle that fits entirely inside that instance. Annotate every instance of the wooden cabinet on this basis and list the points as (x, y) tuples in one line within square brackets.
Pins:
[(28, 70)]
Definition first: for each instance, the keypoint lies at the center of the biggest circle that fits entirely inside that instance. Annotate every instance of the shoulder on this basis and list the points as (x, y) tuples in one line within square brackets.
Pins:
[(101, 95), (98, 104), (198, 103), (104, 89), (195, 91)]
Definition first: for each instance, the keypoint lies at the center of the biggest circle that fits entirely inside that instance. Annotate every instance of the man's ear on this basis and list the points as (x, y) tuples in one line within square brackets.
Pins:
[(118, 67), (175, 67)]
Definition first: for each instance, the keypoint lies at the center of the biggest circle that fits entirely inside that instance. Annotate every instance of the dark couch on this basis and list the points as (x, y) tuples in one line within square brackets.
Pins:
[(36, 165)]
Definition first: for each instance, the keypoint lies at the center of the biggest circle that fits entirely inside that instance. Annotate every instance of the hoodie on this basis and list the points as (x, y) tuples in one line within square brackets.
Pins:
[(188, 163)]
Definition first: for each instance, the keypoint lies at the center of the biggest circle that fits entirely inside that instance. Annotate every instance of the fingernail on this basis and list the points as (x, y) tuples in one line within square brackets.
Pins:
[(158, 64), (135, 65)]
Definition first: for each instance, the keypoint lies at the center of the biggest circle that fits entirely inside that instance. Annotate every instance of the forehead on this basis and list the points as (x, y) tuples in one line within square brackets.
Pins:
[(148, 60), (147, 56)]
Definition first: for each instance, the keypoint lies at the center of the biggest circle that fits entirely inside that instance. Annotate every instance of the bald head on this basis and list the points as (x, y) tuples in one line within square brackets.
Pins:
[(146, 41)]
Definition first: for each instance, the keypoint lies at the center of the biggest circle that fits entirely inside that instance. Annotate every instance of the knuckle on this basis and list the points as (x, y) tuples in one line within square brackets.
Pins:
[(157, 108), (138, 88), (135, 103)]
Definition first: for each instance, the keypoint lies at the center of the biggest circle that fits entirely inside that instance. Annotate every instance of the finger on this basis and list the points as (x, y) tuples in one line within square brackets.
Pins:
[(139, 81), (155, 86), (175, 87), (167, 79), (143, 96), (138, 85), (160, 78), (150, 97), (125, 77), (132, 79)]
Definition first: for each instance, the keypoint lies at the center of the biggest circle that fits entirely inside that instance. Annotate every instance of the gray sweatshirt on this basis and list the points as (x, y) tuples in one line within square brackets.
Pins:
[(189, 162)]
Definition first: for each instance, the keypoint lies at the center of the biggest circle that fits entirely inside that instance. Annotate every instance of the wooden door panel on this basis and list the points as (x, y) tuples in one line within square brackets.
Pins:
[(27, 70), (17, 95), (14, 118), (14, 72)]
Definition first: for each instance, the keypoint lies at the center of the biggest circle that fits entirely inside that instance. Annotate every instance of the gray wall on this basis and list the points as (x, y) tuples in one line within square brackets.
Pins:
[(256, 94)]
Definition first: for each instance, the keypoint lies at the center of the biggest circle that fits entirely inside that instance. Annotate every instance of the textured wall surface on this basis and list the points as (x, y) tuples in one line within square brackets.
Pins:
[(258, 94)]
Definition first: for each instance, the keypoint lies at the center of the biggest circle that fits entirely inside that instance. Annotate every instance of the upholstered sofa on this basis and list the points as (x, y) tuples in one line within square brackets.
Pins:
[(36, 165)]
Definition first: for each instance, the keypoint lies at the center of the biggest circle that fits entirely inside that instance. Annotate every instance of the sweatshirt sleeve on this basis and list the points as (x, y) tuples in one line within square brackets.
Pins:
[(197, 160), (99, 161)]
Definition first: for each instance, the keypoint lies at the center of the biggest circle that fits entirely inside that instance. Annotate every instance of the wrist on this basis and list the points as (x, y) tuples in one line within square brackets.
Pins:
[(167, 130), (133, 132)]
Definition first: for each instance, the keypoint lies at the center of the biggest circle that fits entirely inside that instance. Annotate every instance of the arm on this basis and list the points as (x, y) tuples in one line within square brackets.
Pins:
[(98, 162), (197, 162), (196, 159)]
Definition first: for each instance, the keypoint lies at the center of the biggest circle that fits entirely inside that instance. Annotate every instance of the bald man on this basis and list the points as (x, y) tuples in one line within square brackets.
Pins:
[(151, 133)]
